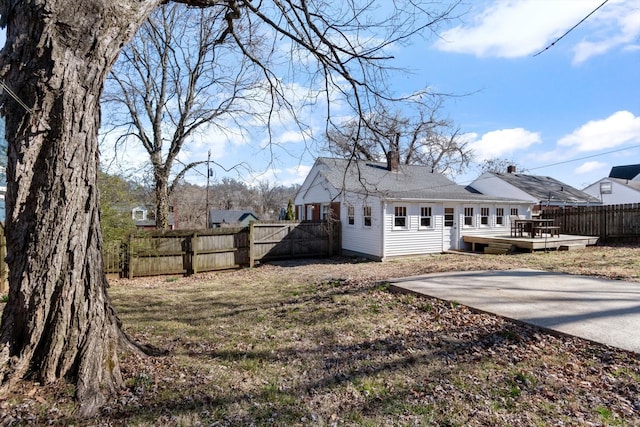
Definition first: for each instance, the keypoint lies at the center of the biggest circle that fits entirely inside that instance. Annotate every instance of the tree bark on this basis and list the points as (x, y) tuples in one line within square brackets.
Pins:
[(59, 322)]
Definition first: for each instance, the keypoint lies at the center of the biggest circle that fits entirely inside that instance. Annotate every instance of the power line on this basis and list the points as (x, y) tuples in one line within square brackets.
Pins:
[(15, 97), (586, 157), (572, 28)]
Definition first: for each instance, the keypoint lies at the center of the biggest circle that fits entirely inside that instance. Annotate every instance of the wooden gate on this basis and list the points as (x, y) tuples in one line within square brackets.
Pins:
[(293, 240)]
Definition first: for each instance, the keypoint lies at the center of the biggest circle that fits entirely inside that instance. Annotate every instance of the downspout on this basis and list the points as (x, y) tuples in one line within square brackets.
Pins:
[(383, 221)]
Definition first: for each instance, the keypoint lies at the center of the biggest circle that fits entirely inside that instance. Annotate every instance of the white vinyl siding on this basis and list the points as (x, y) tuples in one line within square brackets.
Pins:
[(414, 240), (360, 238)]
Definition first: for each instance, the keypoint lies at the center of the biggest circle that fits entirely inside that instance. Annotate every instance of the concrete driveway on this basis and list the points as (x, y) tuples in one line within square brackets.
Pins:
[(601, 310)]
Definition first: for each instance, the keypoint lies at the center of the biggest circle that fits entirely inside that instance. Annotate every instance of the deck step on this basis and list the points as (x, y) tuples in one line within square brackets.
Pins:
[(571, 247), (495, 248)]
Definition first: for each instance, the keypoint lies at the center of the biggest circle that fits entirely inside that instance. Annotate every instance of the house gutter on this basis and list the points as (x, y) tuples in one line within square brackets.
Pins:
[(382, 229), (514, 201)]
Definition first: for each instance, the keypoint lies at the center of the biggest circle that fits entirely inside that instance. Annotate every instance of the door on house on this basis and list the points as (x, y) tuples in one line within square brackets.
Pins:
[(450, 229)]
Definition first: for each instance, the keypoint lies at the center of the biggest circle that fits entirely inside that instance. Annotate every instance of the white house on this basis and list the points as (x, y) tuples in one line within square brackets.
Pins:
[(540, 191), (389, 210), (622, 186)]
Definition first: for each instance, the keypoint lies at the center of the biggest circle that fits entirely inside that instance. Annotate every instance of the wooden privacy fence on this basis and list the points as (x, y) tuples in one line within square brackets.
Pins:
[(186, 252), (189, 252), (614, 223)]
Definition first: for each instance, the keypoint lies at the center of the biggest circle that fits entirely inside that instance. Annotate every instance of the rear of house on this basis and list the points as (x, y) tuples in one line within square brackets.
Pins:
[(388, 211)]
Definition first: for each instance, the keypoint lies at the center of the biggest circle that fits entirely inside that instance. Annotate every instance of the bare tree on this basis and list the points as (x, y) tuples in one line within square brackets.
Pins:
[(417, 133), (180, 75), (500, 165), (189, 206), (59, 322)]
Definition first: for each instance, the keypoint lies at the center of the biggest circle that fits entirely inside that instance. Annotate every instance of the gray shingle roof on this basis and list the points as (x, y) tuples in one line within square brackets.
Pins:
[(625, 172), (545, 188), (412, 182), (228, 216)]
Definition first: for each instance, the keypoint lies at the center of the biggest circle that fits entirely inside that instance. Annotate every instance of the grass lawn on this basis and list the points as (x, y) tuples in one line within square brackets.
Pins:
[(325, 343)]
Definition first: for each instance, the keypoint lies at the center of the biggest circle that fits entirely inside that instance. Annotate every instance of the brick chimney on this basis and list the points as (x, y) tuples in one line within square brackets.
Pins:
[(393, 161), (511, 169)]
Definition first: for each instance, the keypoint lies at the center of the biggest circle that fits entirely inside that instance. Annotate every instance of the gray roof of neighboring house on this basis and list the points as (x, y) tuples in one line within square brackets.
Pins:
[(229, 216), (545, 188), (409, 182), (625, 172)]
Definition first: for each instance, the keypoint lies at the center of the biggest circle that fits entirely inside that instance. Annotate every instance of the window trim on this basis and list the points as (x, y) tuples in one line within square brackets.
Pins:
[(366, 223), (423, 216), (351, 215), (403, 210), (483, 217), (468, 213), (500, 217), (453, 217)]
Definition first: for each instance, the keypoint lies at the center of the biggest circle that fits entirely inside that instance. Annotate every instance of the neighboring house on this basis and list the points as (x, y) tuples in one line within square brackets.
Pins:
[(622, 186), (230, 218), (144, 217), (541, 191), (389, 210), (627, 172)]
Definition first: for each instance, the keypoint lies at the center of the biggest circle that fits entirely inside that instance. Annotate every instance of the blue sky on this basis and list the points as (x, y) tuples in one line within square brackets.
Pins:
[(567, 107), (557, 114)]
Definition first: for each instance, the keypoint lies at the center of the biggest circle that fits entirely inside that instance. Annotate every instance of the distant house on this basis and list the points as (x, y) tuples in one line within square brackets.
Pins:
[(144, 217), (627, 172), (230, 218), (541, 191), (622, 186), (388, 210)]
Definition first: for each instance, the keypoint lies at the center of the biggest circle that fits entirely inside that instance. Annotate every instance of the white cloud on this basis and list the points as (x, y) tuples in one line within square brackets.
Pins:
[(285, 177), (502, 142), (616, 24), (618, 129), (516, 28), (589, 167)]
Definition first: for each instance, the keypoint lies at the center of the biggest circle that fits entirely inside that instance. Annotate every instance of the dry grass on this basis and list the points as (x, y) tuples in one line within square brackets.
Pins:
[(325, 343)]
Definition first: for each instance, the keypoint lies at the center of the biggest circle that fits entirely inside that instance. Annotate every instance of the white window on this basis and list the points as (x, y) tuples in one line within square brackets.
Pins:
[(499, 216), (514, 211), (366, 214), (139, 214), (326, 211), (484, 216), (449, 217), (351, 215), (425, 217), (468, 217), (400, 217)]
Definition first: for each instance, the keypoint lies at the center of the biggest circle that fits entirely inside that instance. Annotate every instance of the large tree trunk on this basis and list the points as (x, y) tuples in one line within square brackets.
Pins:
[(58, 322)]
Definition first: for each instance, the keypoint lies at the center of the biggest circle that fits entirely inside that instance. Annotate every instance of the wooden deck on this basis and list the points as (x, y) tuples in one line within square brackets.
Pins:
[(561, 242)]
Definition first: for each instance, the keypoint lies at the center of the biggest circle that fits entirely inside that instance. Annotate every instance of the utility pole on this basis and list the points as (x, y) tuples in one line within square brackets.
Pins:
[(206, 216)]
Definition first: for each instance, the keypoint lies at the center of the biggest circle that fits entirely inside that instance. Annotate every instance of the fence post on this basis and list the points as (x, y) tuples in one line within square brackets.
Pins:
[(252, 236), (128, 257), (194, 253), (603, 224), (290, 239), (330, 240)]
